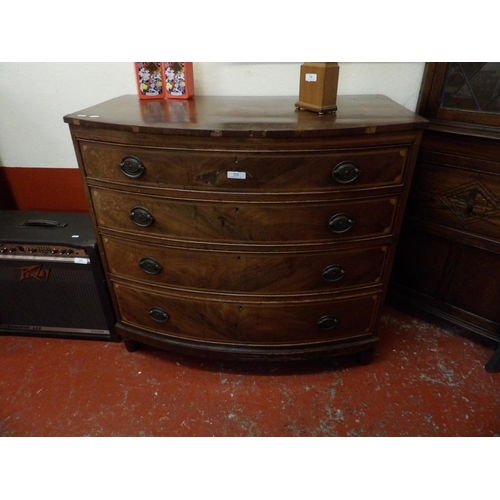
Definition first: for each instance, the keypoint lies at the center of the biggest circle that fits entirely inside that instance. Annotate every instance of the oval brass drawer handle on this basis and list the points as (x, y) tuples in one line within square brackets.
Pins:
[(340, 223), (327, 322), (158, 314), (150, 266), (141, 217), (346, 172), (132, 167), (333, 273)]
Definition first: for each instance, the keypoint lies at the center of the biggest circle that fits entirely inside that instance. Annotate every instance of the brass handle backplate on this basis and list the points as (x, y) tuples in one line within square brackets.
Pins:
[(327, 322), (150, 266), (340, 223), (346, 172), (158, 314), (141, 217), (333, 273), (132, 167)]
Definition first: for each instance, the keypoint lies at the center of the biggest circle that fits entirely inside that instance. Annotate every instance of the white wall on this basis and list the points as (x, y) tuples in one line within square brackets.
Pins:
[(34, 97)]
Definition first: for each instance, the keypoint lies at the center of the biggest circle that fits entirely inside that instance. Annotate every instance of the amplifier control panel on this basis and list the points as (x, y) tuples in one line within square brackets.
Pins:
[(28, 249)]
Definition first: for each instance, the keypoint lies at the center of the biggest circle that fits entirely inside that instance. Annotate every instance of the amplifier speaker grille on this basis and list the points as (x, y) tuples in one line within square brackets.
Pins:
[(50, 294)]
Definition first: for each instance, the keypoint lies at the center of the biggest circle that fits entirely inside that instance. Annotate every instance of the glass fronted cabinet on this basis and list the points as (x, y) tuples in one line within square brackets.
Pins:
[(448, 259)]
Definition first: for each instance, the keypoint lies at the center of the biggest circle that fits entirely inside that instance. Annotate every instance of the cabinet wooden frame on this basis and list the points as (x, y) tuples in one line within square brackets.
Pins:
[(454, 208)]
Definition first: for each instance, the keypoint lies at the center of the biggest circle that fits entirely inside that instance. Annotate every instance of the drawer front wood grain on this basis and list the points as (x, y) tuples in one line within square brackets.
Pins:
[(232, 222), (240, 171), (246, 322), (246, 272)]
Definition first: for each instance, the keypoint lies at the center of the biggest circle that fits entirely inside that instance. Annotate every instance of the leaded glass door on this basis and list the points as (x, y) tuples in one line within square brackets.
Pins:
[(467, 92)]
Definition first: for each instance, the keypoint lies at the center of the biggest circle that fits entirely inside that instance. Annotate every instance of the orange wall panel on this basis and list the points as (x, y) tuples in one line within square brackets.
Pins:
[(45, 189)]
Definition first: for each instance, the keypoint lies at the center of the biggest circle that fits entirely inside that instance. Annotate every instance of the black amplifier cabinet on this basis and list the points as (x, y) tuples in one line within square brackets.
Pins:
[(51, 279)]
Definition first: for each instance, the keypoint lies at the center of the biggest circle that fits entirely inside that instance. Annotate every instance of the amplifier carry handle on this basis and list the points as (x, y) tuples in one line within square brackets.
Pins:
[(43, 223)]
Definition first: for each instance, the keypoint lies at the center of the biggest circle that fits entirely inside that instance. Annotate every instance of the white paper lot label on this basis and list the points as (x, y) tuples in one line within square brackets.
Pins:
[(236, 175), (311, 77)]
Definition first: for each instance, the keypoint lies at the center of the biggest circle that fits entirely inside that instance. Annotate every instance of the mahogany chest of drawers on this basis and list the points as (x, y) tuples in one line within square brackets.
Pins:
[(240, 227)]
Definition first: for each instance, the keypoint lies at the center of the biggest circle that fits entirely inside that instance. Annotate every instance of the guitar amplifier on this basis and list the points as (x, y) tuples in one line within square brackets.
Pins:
[(51, 278)]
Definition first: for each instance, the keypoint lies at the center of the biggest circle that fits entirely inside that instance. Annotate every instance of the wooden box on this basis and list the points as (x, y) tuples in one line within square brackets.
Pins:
[(318, 87)]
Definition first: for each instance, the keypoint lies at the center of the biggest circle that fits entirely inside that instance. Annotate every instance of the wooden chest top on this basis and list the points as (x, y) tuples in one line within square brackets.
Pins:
[(247, 117)]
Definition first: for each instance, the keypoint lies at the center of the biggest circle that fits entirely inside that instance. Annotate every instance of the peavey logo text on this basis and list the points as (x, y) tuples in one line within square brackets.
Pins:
[(33, 272)]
